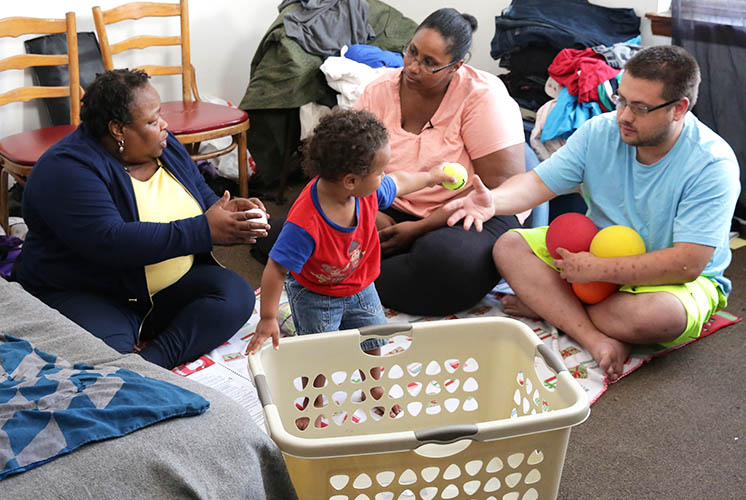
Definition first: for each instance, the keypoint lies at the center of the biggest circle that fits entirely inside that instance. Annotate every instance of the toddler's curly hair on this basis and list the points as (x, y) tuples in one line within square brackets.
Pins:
[(344, 142)]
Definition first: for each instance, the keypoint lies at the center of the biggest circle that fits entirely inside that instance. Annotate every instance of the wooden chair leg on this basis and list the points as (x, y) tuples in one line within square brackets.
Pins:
[(4, 201), (243, 166)]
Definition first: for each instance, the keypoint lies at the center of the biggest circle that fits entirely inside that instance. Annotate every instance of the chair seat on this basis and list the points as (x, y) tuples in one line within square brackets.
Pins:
[(194, 116), (26, 148)]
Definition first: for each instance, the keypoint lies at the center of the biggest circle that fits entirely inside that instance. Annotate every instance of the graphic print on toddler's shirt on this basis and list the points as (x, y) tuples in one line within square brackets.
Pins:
[(333, 274)]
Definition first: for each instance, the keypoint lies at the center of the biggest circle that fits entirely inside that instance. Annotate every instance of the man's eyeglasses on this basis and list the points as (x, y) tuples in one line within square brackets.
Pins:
[(410, 53), (637, 109)]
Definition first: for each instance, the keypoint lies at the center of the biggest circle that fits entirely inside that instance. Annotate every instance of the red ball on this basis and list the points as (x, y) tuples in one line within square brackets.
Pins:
[(571, 231), (594, 291)]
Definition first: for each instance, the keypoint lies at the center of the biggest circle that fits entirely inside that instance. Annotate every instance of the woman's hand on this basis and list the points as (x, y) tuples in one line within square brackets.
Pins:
[(475, 208), (399, 236), (243, 204), (230, 224)]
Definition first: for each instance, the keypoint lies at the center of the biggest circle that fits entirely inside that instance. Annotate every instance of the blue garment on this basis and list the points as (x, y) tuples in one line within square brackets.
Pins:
[(540, 213), (84, 230), (574, 24), (567, 116), (317, 313), (51, 408), (687, 196), (373, 56), (295, 245)]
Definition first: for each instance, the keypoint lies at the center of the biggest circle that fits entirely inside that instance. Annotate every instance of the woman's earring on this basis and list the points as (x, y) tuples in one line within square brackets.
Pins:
[(121, 145)]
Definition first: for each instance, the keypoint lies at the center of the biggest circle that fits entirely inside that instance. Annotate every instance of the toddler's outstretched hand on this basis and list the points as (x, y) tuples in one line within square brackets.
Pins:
[(437, 176), (265, 329)]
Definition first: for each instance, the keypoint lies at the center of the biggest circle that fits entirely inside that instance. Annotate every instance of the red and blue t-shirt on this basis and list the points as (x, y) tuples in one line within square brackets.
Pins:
[(325, 257)]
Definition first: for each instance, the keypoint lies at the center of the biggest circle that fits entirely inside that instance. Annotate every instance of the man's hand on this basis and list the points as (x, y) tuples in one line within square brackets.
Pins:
[(264, 329), (475, 208), (580, 267), (399, 236), (229, 227)]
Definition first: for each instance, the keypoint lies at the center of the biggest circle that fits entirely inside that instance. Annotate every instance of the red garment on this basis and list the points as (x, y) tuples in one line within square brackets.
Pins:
[(343, 262), (581, 71)]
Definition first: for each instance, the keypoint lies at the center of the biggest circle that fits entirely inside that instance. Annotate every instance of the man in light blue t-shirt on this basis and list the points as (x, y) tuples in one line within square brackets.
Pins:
[(651, 166)]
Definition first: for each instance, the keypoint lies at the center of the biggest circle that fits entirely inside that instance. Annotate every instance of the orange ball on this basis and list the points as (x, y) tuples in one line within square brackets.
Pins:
[(594, 292), (571, 231)]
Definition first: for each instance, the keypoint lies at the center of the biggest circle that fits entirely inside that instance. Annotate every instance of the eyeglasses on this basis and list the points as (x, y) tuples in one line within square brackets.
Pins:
[(637, 109), (410, 53)]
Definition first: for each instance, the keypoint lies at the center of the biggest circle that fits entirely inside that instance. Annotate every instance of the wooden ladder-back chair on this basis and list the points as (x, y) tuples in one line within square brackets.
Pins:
[(191, 120), (19, 152)]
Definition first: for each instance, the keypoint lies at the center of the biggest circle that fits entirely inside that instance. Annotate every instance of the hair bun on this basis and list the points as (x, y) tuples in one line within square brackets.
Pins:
[(471, 20)]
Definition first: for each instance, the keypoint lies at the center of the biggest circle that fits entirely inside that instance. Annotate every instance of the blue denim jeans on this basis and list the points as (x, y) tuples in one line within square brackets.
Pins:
[(316, 313)]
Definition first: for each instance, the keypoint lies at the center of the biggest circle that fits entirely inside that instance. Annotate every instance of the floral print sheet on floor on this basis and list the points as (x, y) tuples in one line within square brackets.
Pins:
[(578, 361), (226, 369)]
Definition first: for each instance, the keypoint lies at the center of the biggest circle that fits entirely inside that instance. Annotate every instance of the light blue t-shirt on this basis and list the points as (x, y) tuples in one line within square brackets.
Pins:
[(688, 196)]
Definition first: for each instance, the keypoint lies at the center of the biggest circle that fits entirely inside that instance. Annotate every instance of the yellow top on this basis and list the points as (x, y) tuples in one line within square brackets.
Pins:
[(163, 199)]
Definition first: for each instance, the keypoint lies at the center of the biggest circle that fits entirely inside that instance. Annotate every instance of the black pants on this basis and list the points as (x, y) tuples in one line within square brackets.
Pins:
[(444, 271), (189, 318)]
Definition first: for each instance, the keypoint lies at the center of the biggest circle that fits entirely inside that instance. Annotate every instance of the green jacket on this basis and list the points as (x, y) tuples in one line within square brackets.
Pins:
[(283, 75)]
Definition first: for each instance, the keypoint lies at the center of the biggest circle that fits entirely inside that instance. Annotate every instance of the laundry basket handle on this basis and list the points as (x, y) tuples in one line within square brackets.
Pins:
[(446, 433), (552, 358), (385, 329)]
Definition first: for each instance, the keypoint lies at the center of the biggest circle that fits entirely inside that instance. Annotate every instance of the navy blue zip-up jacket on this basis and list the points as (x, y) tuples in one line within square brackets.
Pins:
[(84, 229)]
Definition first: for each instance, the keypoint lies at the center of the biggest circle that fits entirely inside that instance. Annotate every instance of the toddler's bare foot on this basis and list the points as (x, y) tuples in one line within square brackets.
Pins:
[(610, 355), (514, 306), (376, 392), (395, 410), (302, 423)]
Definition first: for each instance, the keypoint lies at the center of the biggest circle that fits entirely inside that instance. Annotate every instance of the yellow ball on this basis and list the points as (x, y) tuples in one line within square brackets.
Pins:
[(458, 172), (617, 241)]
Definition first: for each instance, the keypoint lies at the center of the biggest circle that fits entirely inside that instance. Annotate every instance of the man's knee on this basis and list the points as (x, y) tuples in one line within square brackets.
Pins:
[(646, 318), (507, 248)]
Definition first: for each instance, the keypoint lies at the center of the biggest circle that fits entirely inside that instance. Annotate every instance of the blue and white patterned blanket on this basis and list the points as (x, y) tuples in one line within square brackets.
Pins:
[(49, 408)]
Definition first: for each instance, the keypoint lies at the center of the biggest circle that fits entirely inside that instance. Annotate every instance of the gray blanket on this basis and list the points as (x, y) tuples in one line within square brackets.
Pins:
[(219, 454)]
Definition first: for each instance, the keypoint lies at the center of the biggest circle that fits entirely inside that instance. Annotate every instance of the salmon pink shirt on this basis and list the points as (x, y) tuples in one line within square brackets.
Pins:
[(476, 117)]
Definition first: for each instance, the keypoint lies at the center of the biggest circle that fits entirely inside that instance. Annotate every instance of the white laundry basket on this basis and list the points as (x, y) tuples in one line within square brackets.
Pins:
[(472, 417)]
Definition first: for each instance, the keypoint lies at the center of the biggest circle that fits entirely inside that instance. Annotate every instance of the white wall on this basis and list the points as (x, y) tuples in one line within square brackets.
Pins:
[(224, 36)]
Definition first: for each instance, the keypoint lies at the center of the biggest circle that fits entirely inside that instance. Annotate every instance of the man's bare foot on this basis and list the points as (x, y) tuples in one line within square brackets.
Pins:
[(610, 355), (514, 306)]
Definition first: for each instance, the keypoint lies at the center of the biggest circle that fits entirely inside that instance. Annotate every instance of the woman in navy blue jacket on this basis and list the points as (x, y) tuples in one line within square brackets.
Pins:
[(121, 228)]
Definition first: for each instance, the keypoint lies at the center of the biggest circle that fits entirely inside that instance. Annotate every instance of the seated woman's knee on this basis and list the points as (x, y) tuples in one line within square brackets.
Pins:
[(234, 291), (452, 262)]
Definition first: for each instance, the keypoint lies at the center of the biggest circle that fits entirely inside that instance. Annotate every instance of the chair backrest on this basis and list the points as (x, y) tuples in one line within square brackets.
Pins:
[(139, 10), (17, 26)]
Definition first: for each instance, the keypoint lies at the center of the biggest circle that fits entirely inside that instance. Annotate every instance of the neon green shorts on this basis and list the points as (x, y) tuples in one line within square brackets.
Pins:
[(700, 298)]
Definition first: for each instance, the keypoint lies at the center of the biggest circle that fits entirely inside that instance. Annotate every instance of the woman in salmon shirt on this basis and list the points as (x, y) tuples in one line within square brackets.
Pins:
[(438, 109)]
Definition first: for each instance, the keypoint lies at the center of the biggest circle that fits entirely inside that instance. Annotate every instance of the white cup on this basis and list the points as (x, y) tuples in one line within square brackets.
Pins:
[(262, 219)]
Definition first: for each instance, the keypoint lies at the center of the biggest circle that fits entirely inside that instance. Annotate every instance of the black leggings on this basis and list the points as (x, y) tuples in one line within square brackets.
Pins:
[(444, 271)]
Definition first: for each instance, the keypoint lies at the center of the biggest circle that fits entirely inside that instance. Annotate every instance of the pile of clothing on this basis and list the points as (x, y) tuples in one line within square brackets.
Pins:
[(285, 69), (580, 86), (530, 34)]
